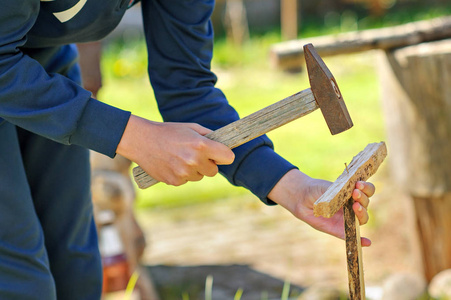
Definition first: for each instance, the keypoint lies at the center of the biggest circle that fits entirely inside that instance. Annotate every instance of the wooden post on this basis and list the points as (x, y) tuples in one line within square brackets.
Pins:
[(353, 253), (289, 19), (236, 22), (416, 95)]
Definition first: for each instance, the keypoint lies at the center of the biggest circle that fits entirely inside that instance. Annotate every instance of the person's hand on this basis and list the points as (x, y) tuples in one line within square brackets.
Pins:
[(173, 153), (298, 192)]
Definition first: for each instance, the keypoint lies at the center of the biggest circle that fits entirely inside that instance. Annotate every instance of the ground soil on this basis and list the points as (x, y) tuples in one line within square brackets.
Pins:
[(245, 244)]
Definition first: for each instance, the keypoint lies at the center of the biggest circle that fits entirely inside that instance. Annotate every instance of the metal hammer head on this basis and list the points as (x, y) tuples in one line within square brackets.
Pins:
[(326, 92)]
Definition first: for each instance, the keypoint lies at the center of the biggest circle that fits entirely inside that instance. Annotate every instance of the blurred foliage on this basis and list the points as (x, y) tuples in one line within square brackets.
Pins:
[(356, 15)]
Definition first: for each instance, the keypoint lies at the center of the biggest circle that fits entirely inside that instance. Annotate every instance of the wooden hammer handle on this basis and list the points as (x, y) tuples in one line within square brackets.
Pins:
[(252, 126)]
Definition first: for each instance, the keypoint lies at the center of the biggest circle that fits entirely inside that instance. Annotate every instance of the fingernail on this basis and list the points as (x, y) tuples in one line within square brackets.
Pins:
[(358, 194), (360, 207), (360, 185)]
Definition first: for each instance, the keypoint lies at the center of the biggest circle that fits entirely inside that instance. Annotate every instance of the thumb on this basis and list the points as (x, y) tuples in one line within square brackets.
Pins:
[(220, 153), (198, 128)]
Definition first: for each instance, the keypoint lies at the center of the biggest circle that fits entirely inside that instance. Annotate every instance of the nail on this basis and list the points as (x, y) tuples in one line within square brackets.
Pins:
[(358, 194), (360, 185)]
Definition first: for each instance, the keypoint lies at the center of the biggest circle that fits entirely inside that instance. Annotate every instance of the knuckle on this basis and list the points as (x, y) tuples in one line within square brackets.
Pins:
[(191, 162), (181, 173), (174, 182), (200, 145)]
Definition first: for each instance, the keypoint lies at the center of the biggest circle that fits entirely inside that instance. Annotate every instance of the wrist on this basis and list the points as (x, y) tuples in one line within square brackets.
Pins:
[(129, 145), (289, 188)]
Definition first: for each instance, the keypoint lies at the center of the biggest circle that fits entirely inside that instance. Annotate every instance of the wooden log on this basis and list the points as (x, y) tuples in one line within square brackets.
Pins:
[(416, 97), (289, 55), (252, 126), (362, 167)]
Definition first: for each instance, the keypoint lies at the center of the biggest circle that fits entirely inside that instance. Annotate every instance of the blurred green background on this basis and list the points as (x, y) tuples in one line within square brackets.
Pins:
[(250, 84)]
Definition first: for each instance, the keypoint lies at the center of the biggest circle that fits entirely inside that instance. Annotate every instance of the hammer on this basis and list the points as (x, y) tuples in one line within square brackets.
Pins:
[(324, 94)]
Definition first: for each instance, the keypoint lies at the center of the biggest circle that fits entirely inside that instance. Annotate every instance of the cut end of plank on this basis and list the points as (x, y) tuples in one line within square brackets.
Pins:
[(362, 167), (142, 179)]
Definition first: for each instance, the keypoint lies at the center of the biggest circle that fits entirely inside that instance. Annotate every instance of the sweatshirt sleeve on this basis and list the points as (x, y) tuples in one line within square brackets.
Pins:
[(48, 104), (179, 38)]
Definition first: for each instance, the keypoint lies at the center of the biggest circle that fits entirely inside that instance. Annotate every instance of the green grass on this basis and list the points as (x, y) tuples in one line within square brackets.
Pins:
[(250, 84)]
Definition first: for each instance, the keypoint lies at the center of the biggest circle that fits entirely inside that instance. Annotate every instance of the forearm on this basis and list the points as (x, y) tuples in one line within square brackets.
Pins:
[(291, 187)]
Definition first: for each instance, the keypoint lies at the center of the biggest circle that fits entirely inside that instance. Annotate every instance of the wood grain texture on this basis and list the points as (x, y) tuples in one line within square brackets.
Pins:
[(353, 253), (362, 167), (416, 97), (252, 126), (289, 55)]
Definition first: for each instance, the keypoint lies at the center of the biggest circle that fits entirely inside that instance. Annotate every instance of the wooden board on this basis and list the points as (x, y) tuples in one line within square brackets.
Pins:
[(252, 126), (362, 167), (289, 55)]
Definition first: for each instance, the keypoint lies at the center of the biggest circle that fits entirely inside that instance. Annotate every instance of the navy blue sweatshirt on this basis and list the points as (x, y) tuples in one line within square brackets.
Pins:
[(38, 93)]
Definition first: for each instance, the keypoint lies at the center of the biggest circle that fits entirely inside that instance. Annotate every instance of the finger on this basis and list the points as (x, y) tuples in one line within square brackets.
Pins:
[(193, 176), (365, 242), (208, 168), (196, 177), (360, 197), (361, 213), (366, 187)]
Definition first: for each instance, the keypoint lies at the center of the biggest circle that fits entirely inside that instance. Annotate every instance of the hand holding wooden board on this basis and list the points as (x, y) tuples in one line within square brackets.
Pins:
[(362, 167), (339, 195)]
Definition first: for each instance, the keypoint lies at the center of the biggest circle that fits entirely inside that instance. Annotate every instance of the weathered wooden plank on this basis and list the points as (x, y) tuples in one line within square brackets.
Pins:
[(252, 126), (353, 253), (362, 167), (289, 55)]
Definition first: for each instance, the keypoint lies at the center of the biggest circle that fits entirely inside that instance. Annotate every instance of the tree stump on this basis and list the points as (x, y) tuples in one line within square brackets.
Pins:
[(416, 96)]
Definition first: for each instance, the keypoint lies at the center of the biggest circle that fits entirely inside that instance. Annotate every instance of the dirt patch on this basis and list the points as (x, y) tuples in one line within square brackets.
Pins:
[(174, 281), (271, 242)]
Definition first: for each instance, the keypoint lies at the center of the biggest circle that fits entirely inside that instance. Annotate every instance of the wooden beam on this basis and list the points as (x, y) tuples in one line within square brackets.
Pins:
[(288, 55), (362, 167)]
